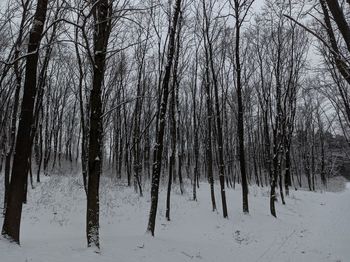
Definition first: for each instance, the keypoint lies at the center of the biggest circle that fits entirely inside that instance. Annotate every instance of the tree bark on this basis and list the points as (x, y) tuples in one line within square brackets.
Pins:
[(102, 13), (11, 226), (158, 148), (240, 118)]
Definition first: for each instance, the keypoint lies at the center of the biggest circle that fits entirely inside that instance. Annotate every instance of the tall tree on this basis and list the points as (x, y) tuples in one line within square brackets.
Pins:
[(241, 8), (102, 11), (212, 80), (16, 102), (162, 109), (12, 221), (172, 120)]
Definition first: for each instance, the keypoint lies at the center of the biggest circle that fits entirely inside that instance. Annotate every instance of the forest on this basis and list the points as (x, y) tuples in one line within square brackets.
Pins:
[(170, 101)]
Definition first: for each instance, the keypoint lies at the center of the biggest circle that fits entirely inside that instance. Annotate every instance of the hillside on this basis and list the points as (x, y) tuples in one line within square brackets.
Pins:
[(312, 227)]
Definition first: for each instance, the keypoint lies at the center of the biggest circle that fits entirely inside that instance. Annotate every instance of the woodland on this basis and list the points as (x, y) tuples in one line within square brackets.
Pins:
[(172, 96)]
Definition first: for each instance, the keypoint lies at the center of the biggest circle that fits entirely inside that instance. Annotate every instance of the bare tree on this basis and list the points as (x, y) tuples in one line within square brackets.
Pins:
[(241, 9), (11, 226), (162, 108)]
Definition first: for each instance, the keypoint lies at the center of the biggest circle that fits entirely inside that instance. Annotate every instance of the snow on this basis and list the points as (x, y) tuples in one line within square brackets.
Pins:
[(312, 227)]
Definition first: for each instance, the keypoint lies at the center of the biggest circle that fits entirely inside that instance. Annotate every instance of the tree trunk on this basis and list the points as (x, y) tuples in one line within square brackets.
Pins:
[(158, 148), (240, 119), (11, 226), (102, 13)]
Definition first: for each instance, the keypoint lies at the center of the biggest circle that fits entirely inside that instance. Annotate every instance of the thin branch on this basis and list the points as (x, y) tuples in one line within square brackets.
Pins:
[(123, 103)]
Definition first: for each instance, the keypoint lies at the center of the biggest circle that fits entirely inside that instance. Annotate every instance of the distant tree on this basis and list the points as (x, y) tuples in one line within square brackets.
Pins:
[(212, 85)]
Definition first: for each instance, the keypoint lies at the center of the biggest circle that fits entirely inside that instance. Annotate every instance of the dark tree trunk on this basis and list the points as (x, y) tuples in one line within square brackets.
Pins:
[(172, 156), (102, 13), (340, 19), (287, 175), (11, 226), (179, 141), (195, 131), (18, 74), (240, 119), (209, 150), (219, 137), (172, 120), (136, 128), (83, 125), (158, 148)]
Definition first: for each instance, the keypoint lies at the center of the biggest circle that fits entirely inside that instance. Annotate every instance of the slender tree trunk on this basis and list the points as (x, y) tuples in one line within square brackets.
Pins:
[(172, 120), (240, 119), (136, 130), (209, 150), (83, 128), (158, 148), (172, 156)]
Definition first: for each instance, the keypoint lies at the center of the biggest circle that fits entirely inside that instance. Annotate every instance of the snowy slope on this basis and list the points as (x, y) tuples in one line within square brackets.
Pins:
[(312, 227)]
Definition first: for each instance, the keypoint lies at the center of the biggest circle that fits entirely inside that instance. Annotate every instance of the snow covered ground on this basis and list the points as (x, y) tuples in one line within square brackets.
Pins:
[(312, 227)]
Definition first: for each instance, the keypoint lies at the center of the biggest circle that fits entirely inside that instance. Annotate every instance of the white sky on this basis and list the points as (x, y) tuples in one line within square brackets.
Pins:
[(256, 5)]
